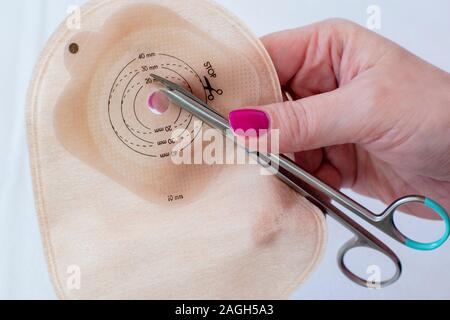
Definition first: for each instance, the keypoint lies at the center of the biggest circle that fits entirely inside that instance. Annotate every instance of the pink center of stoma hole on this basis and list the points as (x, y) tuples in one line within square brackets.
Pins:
[(158, 103)]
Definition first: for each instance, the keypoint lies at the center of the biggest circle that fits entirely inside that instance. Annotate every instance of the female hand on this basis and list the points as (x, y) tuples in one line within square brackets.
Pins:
[(368, 114)]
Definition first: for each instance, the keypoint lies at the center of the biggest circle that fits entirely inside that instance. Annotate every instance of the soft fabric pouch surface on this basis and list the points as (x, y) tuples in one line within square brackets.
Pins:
[(111, 203)]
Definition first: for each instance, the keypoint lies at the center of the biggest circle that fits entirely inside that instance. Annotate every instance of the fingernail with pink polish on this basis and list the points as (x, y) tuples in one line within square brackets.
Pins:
[(249, 122)]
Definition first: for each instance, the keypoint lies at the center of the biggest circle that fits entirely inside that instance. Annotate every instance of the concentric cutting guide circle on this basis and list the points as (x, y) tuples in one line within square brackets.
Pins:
[(131, 119)]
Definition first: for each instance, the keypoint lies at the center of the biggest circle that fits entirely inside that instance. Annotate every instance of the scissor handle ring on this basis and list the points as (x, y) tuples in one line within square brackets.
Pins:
[(428, 203), (358, 242)]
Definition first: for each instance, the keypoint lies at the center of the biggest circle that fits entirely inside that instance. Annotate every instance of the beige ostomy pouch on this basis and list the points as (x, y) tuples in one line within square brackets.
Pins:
[(119, 219)]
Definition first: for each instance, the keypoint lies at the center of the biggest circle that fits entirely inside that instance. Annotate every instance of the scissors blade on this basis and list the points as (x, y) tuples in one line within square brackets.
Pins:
[(186, 94), (167, 83)]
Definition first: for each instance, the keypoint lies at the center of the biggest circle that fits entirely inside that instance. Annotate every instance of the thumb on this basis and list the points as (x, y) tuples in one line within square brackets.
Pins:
[(318, 121)]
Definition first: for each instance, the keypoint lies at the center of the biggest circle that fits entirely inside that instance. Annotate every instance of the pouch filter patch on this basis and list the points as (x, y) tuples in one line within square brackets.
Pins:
[(119, 219)]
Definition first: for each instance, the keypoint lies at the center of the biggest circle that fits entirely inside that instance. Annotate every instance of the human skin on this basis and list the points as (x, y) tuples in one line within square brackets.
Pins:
[(367, 114)]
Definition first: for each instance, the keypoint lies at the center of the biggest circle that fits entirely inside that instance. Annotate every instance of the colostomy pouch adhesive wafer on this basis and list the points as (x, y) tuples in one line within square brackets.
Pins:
[(111, 202)]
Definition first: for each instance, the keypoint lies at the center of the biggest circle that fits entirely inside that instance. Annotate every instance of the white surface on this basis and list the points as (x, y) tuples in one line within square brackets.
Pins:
[(421, 26)]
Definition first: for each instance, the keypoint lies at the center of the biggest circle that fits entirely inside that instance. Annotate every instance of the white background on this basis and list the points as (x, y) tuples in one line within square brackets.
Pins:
[(422, 26)]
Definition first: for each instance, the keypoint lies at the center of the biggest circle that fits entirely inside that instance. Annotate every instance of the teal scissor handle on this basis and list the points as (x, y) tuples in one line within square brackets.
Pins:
[(415, 244), (436, 244)]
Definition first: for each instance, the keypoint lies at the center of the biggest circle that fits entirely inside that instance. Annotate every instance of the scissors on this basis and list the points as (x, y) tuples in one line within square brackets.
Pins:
[(321, 194)]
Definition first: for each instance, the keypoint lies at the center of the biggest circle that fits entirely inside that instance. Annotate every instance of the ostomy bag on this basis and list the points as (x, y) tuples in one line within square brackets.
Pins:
[(119, 219)]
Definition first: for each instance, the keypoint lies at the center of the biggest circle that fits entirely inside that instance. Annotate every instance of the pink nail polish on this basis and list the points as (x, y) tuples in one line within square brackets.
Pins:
[(249, 122)]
